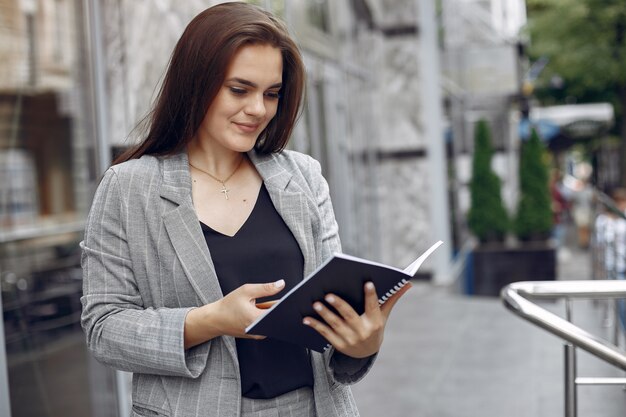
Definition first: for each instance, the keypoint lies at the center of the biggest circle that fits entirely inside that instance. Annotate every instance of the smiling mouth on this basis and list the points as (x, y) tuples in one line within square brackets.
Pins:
[(247, 127)]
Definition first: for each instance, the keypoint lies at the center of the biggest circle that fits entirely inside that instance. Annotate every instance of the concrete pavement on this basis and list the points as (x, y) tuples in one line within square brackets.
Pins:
[(449, 355)]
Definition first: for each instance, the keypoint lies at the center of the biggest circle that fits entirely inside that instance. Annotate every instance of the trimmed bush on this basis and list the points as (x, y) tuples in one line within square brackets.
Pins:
[(487, 217), (534, 212)]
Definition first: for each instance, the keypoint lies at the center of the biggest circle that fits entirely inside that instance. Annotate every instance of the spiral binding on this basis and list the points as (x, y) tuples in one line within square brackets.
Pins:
[(392, 291)]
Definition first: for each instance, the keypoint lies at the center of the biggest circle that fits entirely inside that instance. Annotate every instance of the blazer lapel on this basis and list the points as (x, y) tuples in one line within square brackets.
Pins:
[(185, 233), (290, 202), (183, 228)]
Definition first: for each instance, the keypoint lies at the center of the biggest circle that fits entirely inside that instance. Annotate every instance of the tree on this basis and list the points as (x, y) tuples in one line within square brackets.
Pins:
[(585, 42), (487, 218), (534, 212)]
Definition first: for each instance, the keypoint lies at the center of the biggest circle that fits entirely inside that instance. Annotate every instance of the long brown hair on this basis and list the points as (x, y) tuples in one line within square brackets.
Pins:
[(196, 72)]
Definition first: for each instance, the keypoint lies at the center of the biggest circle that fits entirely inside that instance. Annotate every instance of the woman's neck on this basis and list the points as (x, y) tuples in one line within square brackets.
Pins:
[(219, 162)]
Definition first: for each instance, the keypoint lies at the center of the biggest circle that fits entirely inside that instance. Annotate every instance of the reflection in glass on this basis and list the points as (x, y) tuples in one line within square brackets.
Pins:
[(45, 189)]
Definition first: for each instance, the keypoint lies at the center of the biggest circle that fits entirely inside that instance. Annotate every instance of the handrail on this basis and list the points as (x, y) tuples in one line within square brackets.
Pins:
[(609, 204), (513, 297)]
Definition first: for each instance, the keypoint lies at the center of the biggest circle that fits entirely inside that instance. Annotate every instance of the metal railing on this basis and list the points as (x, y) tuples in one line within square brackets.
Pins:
[(608, 255), (515, 297)]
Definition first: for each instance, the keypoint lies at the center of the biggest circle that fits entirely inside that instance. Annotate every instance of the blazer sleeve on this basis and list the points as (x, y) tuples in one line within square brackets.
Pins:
[(343, 369), (120, 331)]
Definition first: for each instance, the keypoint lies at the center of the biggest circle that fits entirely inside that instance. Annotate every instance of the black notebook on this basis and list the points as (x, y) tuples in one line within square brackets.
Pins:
[(343, 275)]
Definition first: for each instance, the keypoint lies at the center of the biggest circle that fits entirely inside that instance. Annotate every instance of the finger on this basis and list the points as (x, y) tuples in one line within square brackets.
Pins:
[(343, 308), (327, 333), (263, 290), (337, 324), (391, 301), (354, 328), (371, 298)]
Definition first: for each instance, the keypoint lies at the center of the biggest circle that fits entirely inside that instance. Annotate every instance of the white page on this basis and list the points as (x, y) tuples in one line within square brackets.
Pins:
[(412, 269)]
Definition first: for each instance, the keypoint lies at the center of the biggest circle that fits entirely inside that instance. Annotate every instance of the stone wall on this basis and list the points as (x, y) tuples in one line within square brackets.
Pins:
[(404, 209), (139, 37), (403, 184)]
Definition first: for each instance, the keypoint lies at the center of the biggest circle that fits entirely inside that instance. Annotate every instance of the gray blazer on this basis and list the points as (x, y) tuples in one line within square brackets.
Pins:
[(146, 264)]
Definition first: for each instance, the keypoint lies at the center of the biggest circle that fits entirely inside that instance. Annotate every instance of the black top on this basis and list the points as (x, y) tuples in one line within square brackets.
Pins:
[(263, 250)]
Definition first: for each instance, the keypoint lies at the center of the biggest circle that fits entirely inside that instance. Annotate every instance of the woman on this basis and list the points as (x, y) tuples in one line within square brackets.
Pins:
[(206, 216)]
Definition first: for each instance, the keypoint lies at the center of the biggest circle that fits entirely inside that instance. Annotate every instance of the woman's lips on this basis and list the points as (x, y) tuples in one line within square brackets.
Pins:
[(247, 127)]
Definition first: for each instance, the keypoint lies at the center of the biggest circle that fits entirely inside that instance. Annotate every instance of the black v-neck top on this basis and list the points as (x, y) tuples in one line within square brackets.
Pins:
[(263, 250)]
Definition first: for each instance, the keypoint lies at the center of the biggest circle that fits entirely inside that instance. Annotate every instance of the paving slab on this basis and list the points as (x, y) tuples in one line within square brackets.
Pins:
[(447, 354)]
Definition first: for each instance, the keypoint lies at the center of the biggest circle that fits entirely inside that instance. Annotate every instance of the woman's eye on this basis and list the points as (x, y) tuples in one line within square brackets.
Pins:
[(273, 94), (238, 91)]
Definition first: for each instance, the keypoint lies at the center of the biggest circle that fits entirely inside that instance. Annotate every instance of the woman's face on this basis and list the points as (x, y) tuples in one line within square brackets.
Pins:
[(247, 100)]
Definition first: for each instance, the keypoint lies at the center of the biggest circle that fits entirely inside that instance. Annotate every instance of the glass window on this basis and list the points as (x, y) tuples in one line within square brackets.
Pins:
[(46, 160)]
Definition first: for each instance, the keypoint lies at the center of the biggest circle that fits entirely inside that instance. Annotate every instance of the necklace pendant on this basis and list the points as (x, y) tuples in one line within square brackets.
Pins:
[(225, 191)]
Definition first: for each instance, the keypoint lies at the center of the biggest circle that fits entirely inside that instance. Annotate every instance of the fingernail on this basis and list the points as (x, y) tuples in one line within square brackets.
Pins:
[(317, 307), (369, 286), (306, 322), (280, 283), (330, 299)]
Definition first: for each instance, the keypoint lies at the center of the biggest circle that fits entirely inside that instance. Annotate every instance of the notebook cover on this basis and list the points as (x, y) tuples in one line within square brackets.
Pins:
[(342, 275)]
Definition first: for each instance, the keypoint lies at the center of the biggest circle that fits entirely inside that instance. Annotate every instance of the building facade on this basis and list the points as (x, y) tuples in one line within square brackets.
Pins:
[(483, 69), (77, 77)]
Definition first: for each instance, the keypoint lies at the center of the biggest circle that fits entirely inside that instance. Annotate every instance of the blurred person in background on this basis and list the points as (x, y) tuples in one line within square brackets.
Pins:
[(560, 207), (208, 215), (610, 233), (582, 210)]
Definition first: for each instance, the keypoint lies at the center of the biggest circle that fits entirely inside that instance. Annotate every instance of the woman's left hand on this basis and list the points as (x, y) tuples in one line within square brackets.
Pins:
[(358, 336)]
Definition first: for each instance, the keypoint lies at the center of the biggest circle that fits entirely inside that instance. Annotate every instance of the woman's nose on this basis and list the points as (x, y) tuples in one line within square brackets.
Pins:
[(256, 105)]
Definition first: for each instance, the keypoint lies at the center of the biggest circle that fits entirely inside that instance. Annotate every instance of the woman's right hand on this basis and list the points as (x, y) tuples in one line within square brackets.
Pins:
[(230, 315)]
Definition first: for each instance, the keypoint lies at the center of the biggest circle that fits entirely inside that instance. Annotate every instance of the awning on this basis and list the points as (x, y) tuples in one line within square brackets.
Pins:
[(573, 122), (546, 129)]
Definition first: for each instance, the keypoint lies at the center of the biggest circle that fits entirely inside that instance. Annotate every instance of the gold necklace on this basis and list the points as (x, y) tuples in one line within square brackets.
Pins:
[(224, 190)]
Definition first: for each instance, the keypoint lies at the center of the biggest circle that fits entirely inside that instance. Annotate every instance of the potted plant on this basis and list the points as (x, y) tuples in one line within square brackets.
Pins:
[(535, 253), (495, 265)]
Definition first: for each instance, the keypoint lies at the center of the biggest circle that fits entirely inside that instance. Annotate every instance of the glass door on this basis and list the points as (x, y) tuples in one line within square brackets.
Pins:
[(46, 180)]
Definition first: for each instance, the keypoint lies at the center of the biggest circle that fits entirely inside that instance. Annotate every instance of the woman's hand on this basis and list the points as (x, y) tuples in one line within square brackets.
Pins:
[(229, 316), (358, 336)]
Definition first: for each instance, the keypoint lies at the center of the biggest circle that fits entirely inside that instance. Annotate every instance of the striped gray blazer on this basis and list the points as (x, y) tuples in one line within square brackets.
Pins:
[(146, 264)]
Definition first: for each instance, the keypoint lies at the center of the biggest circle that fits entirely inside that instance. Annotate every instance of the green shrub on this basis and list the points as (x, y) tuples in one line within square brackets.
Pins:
[(534, 212), (487, 218)]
